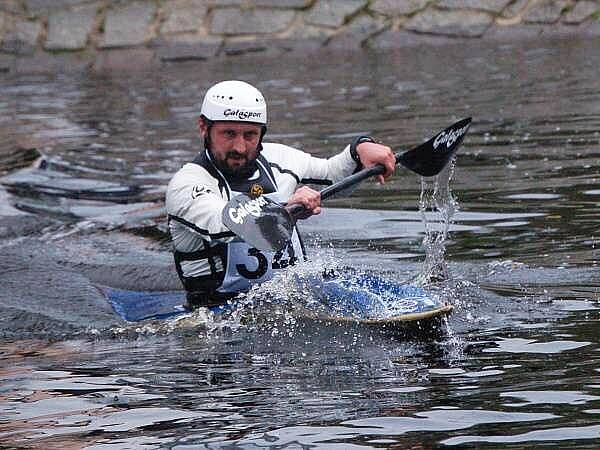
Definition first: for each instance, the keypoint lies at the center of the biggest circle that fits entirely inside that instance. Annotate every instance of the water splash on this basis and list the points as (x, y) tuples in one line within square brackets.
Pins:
[(438, 207)]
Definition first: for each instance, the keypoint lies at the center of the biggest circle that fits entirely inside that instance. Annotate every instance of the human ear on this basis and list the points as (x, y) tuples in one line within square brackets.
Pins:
[(202, 127)]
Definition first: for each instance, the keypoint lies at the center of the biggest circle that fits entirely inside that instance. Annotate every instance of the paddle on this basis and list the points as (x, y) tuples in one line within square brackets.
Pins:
[(268, 226)]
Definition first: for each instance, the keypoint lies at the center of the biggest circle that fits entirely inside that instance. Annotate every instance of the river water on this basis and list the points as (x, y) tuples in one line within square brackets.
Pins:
[(518, 365)]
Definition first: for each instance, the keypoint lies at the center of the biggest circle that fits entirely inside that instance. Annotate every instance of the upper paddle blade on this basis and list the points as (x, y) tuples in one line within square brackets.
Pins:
[(261, 222), (429, 158)]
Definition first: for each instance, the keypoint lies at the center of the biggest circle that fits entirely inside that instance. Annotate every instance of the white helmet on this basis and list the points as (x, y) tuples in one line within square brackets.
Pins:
[(235, 101)]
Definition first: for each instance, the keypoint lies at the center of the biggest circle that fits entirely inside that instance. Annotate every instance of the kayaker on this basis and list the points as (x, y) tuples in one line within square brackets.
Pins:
[(213, 264)]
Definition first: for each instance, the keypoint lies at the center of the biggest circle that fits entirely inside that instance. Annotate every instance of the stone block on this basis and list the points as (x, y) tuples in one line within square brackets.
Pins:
[(187, 48), (494, 6), (248, 4), (128, 24), (592, 29), (235, 21), (582, 11), (398, 7), (6, 63), (295, 4), (42, 62), (183, 15), (22, 38), (357, 32), (514, 33), (229, 2), (5, 23), (333, 13), (546, 11), (245, 47), (11, 6), (70, 29), (125, 59), (44, 7), (514, 9), (312, 34), (450, 23)]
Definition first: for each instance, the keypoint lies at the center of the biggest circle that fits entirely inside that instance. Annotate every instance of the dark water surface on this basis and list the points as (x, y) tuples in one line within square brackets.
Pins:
[(519, 364)]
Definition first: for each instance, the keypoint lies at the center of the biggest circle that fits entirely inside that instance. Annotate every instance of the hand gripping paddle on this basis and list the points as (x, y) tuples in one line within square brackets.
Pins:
[(268, 226)]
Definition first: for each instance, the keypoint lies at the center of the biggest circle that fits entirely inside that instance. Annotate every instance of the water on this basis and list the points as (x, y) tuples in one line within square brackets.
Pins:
[(515, 249)]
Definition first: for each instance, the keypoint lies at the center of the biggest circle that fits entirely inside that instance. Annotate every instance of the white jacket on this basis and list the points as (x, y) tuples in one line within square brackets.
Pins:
[(198, 192)]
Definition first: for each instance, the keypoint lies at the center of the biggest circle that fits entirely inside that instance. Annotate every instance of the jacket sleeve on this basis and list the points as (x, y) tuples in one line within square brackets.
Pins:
[(196, 203), (304, 168)]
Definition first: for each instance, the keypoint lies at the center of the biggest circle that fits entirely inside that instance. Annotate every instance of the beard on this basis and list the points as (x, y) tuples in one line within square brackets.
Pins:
[(245, 170)]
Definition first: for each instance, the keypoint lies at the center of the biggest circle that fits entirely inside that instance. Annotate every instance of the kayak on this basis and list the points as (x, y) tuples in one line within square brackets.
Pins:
[(368, 300), (347, 298)]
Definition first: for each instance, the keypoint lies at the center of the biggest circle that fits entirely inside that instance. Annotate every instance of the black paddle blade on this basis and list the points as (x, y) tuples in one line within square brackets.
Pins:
[(429, 158), (261, 222)]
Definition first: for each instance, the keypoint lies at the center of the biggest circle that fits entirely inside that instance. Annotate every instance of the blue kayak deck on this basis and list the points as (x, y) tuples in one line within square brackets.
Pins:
[(347, 297), (134, 306)]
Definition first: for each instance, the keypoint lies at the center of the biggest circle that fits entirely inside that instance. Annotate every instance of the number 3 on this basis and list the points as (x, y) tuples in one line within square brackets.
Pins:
[(263, 265)]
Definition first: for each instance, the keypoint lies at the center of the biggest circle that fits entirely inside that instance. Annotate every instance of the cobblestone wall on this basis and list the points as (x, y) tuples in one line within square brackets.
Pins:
[(46, 32)]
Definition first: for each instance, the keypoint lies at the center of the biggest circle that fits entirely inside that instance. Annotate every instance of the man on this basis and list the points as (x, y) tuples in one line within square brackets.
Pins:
[(213, 264)]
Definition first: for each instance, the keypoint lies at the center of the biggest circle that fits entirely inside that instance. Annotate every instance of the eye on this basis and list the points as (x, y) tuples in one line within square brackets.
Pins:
[(229, 134), (250, 135)]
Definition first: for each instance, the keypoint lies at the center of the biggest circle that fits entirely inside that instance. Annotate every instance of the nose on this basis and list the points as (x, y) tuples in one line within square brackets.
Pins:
[(239, 144)]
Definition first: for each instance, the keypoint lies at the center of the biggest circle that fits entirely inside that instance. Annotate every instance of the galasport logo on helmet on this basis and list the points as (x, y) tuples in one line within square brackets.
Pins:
[(251, 207), (449, 137), (241, 114)]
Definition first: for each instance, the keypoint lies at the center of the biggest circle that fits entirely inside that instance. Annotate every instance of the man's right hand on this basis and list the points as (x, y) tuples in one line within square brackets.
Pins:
[(308, 197)]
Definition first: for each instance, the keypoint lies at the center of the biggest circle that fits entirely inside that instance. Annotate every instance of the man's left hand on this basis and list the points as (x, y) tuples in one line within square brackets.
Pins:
[(372, 153), (308, 197)]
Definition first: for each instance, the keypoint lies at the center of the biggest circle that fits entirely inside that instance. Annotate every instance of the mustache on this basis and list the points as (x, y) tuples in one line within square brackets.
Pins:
[(235, 154)]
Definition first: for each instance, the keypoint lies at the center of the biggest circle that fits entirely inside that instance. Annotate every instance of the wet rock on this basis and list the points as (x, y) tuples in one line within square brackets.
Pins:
[(546, 11), (359, 30), (70, 29), (183, 16), (494, 6), (274, 47), (391, 39), (451, 23), (398, 7), (22, 38), (187, 48), (128, 25), (581, 12), (333, 13), (233, 21), (243, 47)]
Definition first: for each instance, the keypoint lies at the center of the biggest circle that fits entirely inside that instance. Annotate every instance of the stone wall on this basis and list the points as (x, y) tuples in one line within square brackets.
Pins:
[(50, 32)]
